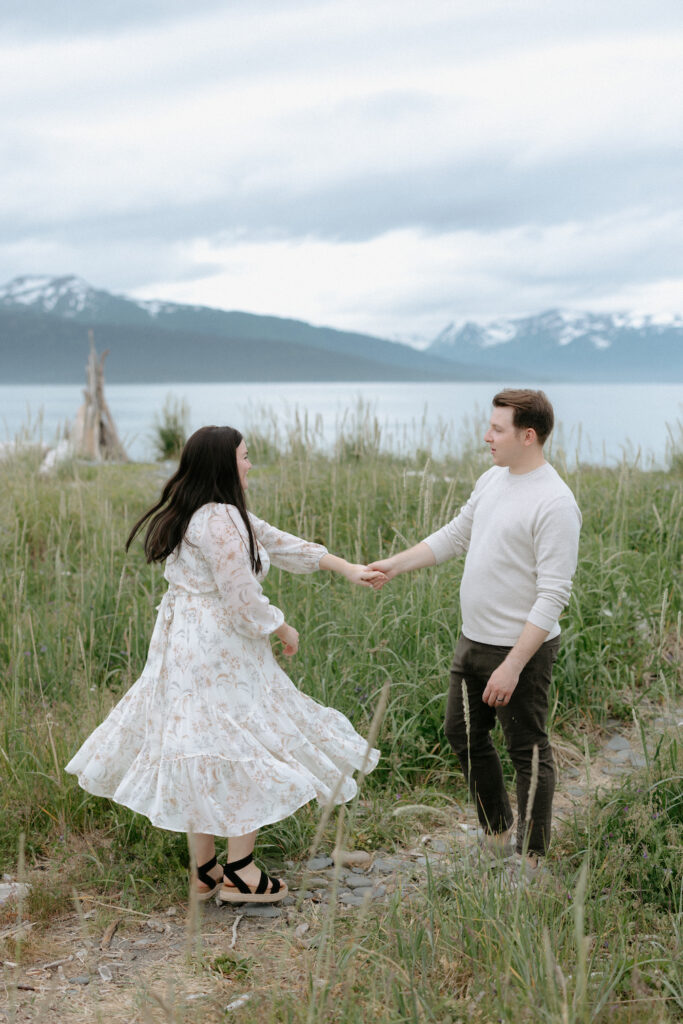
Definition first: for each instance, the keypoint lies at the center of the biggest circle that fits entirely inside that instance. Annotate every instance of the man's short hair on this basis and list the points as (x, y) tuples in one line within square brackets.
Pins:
[(530, 409)]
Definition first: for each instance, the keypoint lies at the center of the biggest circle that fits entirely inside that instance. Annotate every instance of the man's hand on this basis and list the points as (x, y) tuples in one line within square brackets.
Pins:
[(385, 570), (418, 557), (290, 639), (364, 576), (501, 685)]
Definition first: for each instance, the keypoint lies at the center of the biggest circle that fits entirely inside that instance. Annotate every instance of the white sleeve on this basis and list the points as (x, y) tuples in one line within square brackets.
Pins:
[(225, 545), (287, 551), (556, 546)]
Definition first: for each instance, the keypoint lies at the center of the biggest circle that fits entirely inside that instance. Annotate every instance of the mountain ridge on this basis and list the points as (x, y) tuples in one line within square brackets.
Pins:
[(44, 320), (576, 345)]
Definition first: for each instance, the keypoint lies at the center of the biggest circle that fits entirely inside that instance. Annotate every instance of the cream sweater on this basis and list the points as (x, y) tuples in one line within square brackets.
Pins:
[(521, 535)]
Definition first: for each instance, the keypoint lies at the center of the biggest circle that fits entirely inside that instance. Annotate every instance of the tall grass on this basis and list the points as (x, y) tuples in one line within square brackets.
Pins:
[(75, 621)]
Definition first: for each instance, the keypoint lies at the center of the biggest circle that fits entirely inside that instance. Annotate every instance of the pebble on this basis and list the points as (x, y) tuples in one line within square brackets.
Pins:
[(618, 743), (351, 899), (385, 865), (318, 863), (359, 882), (80, 979), (13, 890), (260, 910), (621, 756), (577, 791)]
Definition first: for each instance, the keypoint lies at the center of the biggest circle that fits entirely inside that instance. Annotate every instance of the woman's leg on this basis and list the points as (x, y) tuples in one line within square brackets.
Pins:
[(240, 847), (204, 849)]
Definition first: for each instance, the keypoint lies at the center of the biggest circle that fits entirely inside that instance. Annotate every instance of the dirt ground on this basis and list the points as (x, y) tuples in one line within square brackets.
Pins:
[(110, 964)]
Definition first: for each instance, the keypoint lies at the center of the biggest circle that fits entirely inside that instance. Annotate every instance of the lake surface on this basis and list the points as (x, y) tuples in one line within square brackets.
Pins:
[(599, 423)]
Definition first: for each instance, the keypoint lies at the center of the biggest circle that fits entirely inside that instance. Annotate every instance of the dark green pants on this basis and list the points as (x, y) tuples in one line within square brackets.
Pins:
[(523, 721)]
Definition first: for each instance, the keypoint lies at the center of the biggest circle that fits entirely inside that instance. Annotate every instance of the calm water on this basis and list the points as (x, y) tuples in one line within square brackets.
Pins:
[(598, 423)]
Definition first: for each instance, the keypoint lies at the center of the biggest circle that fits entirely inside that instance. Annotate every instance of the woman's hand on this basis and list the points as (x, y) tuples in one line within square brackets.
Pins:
[(359, 574), (385, 570), (289, 637), (364, 577)]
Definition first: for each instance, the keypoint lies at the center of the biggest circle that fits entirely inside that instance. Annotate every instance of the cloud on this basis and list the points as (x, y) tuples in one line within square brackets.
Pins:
[(409, 281), (250, 131)]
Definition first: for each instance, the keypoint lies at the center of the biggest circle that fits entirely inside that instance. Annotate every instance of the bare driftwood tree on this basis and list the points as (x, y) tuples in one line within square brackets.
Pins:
[(94, 435)]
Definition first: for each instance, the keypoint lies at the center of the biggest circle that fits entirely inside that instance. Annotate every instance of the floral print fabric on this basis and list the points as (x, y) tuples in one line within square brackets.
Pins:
[(214, 737)]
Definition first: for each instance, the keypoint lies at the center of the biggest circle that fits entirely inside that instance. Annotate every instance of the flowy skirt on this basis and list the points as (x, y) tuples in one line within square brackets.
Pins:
[(214, 737)]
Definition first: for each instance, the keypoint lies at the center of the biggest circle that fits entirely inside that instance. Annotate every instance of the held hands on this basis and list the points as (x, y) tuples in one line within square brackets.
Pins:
[(354, 573), (289, 637), (363, 576), (385, 570)]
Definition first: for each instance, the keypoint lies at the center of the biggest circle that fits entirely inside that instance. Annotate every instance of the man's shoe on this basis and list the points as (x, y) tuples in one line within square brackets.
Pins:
[(500, 844)]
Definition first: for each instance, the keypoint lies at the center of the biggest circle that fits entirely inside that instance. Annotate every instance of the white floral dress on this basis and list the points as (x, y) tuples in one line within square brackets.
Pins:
[(214, 737)]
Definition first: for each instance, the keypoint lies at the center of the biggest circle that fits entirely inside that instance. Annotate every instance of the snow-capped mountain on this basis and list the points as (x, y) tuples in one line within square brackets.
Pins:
[(43, 322), (73, 298), (572, 345), (43, 336)]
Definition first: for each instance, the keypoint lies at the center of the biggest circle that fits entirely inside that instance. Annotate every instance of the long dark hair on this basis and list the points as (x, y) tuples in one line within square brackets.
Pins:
[(207, 472)]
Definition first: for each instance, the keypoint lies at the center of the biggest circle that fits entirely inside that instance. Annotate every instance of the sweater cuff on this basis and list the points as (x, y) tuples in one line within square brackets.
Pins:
[(541, 619), (440, 546)]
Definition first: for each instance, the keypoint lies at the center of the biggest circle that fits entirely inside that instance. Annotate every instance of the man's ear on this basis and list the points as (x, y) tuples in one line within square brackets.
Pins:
[(530, 436)]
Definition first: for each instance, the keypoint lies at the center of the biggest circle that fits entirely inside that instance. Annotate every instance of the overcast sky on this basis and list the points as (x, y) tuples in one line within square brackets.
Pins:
[(385, 166)]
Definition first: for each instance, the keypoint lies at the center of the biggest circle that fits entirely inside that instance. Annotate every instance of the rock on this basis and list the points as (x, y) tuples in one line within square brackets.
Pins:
[(13, 890), (352, 899), (105, 973), (260, 910), (621, 756), (618, 743), (80, 979), (314, 882), (379, 892), (353, 858), (438, 846), (386, 865), (318, 863), (615, 769), (359, 882)]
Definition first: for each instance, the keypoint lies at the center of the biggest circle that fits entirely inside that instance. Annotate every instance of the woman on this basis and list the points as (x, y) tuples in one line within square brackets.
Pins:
[(214, 738)]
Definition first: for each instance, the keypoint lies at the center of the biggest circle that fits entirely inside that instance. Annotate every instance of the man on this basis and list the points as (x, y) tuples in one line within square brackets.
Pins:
[(519, 531)]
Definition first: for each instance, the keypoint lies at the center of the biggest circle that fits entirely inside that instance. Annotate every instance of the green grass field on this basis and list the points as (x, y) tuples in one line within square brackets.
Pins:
[(603, 944)]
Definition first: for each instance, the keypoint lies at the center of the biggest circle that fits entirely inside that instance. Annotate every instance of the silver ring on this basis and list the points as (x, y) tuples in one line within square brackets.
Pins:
[(499, 700)]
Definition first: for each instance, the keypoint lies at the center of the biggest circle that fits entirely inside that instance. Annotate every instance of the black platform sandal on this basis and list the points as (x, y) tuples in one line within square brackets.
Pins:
[(204, 876), (239, 892)]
